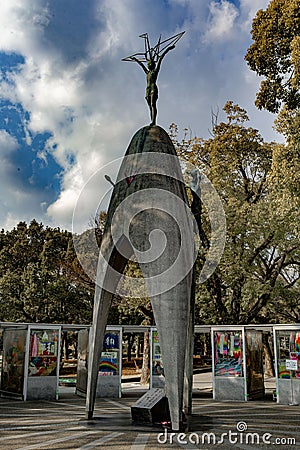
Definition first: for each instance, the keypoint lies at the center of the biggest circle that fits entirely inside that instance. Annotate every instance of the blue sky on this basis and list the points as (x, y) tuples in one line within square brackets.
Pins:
[(69, 105)]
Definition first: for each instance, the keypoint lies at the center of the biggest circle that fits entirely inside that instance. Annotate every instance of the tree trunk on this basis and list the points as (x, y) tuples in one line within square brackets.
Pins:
[(268, 354), (66, 345), (145, 375), (137, 345), (76, 347), (130, 342), (205, 349)]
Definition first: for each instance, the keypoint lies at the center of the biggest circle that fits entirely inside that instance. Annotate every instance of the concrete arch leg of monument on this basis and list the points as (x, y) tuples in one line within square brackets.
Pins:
[(172, 325), (102, 302), (172, 315)]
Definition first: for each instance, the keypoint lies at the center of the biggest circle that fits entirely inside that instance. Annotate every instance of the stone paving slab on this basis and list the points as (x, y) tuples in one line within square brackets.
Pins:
[(61, 424)]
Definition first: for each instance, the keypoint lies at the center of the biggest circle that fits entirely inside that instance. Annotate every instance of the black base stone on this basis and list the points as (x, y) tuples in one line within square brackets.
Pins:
[(151, 408)]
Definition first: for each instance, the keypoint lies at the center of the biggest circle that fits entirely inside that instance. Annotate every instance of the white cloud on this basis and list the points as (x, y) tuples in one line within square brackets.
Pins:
[(249, 9), (7, 143), (74, 84), (222, 20)]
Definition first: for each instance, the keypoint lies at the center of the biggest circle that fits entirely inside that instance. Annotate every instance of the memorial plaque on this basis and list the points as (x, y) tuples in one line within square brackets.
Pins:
[(152, 407)]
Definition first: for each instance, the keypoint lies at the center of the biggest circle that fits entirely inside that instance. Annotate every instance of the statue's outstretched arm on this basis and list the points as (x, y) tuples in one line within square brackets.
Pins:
[(140, 64), (162, 56)]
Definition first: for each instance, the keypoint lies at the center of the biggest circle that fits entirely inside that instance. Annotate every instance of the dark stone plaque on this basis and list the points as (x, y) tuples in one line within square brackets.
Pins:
[(152, 407)]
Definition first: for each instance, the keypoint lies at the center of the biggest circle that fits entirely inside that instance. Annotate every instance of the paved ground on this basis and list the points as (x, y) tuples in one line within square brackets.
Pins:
[(61, 425)]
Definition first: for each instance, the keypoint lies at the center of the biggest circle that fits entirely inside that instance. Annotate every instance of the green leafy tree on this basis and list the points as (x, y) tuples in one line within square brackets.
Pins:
[(262, 243), (275, 54), (35, 284), (285, 182)]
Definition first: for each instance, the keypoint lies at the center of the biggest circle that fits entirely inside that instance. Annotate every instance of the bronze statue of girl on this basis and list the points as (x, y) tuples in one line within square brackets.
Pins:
[(154, 59)]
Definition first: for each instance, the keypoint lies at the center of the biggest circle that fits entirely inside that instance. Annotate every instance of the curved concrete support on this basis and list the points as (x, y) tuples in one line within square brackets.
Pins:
[(148, 216), (102, 303)]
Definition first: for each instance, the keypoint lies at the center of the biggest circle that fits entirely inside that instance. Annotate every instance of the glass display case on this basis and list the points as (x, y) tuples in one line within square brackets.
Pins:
[(228, 354), (254, 364), (228, 374), (110, 370), (43, 351), (42, 362), (13, 361), (288, 348), (287, 358), (110, 364), (82, 362), (109, 361)]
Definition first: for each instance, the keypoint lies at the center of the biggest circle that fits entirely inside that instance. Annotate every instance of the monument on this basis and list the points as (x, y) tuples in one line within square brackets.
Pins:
[(149, 217)]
